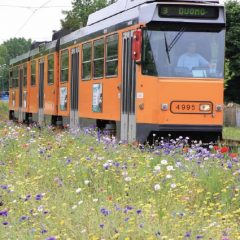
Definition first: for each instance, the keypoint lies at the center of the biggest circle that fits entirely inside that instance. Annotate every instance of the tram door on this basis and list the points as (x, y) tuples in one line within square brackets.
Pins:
[(20, 113), (74, 118), (41, 93), (128, 101)]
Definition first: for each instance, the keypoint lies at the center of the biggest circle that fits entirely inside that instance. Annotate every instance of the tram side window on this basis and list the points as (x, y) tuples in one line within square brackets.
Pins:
[(33, 73), (11, 79), (112, 55), (86, 61), (64, 65), (98, 62), (51, 69), (25, 75), (15, 77)]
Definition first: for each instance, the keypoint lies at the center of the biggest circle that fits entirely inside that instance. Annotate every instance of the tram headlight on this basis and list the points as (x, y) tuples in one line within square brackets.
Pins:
[(205, 107)]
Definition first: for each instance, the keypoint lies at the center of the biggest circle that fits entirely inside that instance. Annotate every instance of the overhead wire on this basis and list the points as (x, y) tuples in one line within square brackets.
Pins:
[(29, 18), (30, 7)]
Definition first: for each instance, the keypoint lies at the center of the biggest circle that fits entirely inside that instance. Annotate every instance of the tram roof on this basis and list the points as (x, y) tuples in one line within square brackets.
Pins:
[(122, 12), (123, 5), (45, 47)]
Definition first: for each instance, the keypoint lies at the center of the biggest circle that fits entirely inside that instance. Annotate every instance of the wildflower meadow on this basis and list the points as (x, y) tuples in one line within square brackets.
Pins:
[(62, 184)]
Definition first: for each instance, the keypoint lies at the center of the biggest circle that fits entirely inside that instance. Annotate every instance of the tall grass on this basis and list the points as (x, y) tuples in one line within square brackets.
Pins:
[(79, 185)]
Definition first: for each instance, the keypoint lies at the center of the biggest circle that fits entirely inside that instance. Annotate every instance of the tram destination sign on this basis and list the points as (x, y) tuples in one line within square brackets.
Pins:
[(185, 11)]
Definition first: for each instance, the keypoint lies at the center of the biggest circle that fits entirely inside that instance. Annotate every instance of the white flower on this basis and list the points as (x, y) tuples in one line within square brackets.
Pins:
[(110, 162), (157, 168), (173, 185), (125, 173), (170, 168), (40, 208), (86, 182), (164, 162), (80, 202), (78, 190), (128, 179), (168, 176), (74, 206), (95, 200), (178, 164), (157, 187)]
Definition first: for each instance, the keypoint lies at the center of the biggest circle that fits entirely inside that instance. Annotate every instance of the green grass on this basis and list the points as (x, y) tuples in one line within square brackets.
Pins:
[(231, 133), (91, 189)]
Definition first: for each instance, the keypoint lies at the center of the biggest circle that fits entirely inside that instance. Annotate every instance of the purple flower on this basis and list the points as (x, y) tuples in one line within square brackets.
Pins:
[(51, 238), (5, 223), (101, 225), (38, 197), (104, 211), (138, 211), (229, 165), (4, 213), (27, 197), (23, 218), (199, 237), (4, 187), (126, 219), (187, 234), (68, 161), (43, 231)]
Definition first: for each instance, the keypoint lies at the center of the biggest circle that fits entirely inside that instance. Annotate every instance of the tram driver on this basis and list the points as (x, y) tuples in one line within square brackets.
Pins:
[(191, 59)]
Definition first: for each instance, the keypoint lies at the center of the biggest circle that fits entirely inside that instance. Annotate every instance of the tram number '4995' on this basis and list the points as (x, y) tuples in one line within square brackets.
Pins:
[(185, 107)]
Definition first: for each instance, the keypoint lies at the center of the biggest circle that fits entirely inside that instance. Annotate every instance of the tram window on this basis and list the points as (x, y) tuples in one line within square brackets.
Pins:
[(15, 77), (33, 73), (10, 79), (51, 69), (98, 62), (64, 66), (112, 55), (25, 75), (86, 61)]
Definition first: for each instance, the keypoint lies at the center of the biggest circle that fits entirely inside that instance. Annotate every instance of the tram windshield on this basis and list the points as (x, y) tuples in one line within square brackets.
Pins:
[(185, 52)]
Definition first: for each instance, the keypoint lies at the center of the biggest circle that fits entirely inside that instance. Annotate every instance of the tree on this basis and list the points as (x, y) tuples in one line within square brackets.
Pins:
[(78, 16), (232, 92), (16, 47)]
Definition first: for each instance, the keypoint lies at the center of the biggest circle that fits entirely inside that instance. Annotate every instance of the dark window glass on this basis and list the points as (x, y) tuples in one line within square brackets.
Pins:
[(25, 75), (98, 63), (112, 55), (15, 77), (51, 69), (64, 66), (11, 79), (86, 61), (33, 73)]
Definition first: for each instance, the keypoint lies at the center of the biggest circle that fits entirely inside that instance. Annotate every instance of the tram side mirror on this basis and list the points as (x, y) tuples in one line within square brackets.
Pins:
[(137, 46)]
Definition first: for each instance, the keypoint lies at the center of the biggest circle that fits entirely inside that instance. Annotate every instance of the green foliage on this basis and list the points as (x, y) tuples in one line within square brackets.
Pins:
[(231, 133), (16, 47), (78, 16), (233, 50)]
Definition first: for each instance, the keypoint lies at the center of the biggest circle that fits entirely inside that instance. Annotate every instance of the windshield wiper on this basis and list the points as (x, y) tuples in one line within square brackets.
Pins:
[(173, 42), (167, 48), (176, 38)]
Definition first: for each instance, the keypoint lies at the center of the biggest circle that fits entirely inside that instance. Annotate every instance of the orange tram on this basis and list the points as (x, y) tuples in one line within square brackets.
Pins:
[(139, 68)]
